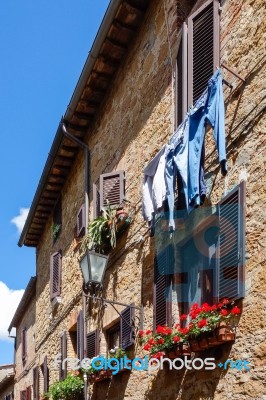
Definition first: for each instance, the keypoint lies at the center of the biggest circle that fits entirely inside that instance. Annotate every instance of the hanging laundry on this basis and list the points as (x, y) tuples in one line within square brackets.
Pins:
[(209, 108), (154, 187)]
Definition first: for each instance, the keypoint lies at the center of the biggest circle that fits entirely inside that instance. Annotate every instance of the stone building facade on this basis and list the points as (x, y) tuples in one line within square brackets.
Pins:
[(125, 107), (7, 382)]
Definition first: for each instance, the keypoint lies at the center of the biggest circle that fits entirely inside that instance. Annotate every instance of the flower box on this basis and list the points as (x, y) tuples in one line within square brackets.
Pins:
[(100, 376)]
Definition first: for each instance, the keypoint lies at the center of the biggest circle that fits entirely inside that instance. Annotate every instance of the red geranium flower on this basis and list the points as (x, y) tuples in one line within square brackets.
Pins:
[(151, 341), (147, 347), (176, 339), (141, 333), (235, 311), (202, 323), (205, 307), (224, 312), (161, 341), (214, 307), (148, 332), (164, 330), (158, 355), (225, 301), (183, 317)]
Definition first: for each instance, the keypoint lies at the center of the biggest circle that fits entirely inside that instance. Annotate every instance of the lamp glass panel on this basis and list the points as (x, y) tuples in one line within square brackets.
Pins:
[(85, 269), (97, 264)]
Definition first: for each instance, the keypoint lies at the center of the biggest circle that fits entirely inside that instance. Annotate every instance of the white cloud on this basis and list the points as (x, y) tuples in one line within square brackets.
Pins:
[(20, 219), (9, 300)]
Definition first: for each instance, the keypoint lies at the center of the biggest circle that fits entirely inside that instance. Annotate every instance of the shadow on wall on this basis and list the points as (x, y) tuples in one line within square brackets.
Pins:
[(189, 384), (113, 388)]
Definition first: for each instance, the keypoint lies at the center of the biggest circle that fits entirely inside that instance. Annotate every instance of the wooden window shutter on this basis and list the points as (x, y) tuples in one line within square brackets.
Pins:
[(231, 253), (96, 201), (81, 223), (203, 48), (28, 393), (181, 77), (55, 274), (162, 293), (23, 395), (63, 350), (127, 327), (80, 336), (93, 344), (36, 380), (112, 188), (24, 343), (45, 375)]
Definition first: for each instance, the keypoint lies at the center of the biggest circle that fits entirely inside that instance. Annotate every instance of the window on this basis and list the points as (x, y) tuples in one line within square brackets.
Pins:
[(57, 219), (45, 373), (162, 289), (63, 351), (23, 395), (113, 336), (24, 344), (9, 397), (55, 274), (207, 264), (93, 344), (80, 336), (36, 379), (81, 222), (111, 190), (198, 55), (127, 327)]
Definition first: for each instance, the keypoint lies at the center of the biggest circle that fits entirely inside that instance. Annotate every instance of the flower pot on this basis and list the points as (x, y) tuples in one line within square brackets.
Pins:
[(185, 350), (224, 333), (170, 354), (194, 345), (203, 342)]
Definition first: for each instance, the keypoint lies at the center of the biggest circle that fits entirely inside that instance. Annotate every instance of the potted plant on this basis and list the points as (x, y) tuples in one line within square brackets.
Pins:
[(70, 388), (104, 230), (56, 228)]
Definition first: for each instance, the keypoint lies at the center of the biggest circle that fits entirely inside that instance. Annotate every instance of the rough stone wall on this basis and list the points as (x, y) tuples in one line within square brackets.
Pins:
[(135, 120), (23, 370)]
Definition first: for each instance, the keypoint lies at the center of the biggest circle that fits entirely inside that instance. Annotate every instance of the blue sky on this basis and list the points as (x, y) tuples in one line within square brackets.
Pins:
[(43, 47)]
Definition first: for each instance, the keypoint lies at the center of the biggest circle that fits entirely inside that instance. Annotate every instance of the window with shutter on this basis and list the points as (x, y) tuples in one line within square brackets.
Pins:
[(93, 344), (203, 48), (24, 344), (55, 275), (45, 371), (112, 188), (113, 336), (63, 351), (36, 383), (81, 223), (23, 395), (163, 270), (230, 272), (28, 393), (181, 77), (127, 327), (57, 219), (96, 201), (80, 336)]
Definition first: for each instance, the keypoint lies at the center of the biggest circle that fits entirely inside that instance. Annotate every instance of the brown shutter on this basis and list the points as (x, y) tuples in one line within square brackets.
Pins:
[(24, 343), (181, 78), (45, 375), (28, 393), (63, 351), (36, 380), (112, 188), (81, 223), (162, 294), (80, 336), (96, 201), (55, 274), (127, 327), (93, 344), (231, 254), (203, 48)]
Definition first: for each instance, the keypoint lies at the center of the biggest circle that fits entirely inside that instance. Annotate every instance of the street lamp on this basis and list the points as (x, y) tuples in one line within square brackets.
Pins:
[(93, 266)]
